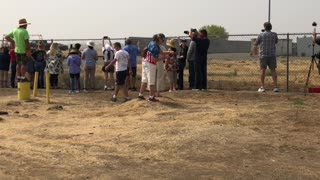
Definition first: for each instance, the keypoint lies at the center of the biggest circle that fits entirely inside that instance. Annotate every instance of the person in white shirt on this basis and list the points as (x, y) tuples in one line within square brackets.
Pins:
[(122, 64)]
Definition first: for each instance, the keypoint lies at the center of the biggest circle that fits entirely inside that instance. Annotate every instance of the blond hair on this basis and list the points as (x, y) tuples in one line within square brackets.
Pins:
[(54, 49)]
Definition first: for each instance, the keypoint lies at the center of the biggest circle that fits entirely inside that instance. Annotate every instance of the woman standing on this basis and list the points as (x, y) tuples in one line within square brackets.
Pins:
[(4, 67), (90, 57), (54, 64)]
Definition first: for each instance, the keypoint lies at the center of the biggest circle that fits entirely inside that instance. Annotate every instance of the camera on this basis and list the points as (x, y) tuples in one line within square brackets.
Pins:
[(105, 37), (192, 30)]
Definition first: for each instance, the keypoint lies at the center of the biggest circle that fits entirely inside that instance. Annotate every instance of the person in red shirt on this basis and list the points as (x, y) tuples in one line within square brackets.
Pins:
[(13, 66)]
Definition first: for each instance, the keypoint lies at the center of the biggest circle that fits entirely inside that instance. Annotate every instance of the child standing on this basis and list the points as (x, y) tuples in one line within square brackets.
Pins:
[(122, 62), (4, 67), (171, 65), (54, 64), (40, 57), (108, 56), (74, 63)]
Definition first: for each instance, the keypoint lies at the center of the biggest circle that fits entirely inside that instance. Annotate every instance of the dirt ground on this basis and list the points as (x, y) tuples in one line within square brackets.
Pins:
[(187, 135)]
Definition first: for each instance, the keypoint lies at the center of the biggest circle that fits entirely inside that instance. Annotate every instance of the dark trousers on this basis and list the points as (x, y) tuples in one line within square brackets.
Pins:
[(192, 74), (39, 67), (181, 66), (13, 73), (54, 80), (201, 75)]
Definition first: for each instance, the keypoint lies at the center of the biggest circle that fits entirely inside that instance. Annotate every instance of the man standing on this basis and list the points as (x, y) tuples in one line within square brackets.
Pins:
[(267, 41), (133, 51), (182, 62), (20, 38), (191, 58), (202, 44)]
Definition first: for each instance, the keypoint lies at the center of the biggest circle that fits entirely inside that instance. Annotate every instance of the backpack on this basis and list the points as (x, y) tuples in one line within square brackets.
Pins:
[(109, 51)]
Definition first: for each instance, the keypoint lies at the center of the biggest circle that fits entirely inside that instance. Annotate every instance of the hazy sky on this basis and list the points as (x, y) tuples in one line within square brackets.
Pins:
[(123, 18)]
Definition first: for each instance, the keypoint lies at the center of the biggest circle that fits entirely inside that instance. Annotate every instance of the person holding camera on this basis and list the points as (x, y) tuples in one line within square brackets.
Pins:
[(108, 56), (267, 41), (202, 46)]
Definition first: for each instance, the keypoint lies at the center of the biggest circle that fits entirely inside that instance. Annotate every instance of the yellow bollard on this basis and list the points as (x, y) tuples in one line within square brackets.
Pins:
[(48, 87), (35, 84), (23, 91)]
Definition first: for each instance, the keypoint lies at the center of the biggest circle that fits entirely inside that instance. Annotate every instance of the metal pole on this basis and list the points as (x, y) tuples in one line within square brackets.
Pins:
[(269, 11), (288, 50)]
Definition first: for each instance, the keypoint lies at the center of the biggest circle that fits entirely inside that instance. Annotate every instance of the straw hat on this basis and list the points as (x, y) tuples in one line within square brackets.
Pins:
[(171, 43), (90, 43), (23, 22)]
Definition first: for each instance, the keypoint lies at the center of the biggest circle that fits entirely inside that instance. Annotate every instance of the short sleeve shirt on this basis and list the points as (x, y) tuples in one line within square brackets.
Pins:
[(19, 35), (267, 41), (90, 55), (122, 58)]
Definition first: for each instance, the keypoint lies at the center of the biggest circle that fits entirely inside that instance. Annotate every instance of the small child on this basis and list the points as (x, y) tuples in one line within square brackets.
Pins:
[(171, 65), (122, 62), (4, 67), (74, 63), (30, 70)]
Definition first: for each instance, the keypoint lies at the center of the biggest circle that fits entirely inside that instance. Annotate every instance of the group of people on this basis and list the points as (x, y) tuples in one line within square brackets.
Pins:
[(157, 62)]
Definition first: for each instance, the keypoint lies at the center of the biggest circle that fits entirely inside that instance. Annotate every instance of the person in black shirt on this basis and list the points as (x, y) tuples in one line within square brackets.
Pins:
[(182, 62), (4, 67), (203, 44), (40, 57)]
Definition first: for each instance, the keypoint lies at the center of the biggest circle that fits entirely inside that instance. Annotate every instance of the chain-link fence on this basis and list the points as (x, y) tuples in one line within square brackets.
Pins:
[(232, 62)]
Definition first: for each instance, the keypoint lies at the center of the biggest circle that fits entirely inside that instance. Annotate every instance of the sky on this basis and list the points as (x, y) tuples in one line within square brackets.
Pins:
[(85, 19)]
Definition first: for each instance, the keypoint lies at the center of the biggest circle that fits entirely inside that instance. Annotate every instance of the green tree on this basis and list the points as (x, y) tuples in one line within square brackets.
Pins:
[(218, 32)]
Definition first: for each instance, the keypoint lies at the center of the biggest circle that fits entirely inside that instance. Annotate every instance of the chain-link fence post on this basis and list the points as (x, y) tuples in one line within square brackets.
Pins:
[(288, 53)]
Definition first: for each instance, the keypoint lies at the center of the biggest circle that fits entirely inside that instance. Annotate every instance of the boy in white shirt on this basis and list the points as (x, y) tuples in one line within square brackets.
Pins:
[(122, 64)]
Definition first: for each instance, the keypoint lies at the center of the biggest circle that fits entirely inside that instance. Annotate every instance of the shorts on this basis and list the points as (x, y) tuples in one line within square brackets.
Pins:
[(77, 76), (22, 59), (134, 71), (149, 73), (110, 70), (270, 62), (121, 77)]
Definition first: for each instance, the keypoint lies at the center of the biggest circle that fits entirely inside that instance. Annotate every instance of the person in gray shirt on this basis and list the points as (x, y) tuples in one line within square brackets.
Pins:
[(191, 58)]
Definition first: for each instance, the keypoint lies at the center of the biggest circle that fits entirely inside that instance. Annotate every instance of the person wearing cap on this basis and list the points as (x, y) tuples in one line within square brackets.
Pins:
[(90, 57), (108, 56), (182, 62), (40, 57), (54, 64), (171, 65), (20, 38), (74, 63), (267, 41), (133, 51)]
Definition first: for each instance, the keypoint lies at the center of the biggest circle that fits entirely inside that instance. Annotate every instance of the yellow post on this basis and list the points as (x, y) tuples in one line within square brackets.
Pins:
[(23, 91), (35, 84), (48, 87)]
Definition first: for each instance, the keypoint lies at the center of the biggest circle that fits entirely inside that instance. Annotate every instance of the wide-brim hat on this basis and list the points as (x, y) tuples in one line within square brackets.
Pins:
[(23, 22), (91, 43), (73, 51), (171, 43)]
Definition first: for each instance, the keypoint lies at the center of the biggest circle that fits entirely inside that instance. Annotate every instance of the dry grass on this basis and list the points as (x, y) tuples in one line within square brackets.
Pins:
[(187, 135)]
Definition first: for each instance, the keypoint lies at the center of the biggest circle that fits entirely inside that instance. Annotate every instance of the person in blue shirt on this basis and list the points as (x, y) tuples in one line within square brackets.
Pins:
[(133, 51)]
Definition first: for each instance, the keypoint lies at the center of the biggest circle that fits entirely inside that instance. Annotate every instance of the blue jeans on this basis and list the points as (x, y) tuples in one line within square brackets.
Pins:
[(39, 67)]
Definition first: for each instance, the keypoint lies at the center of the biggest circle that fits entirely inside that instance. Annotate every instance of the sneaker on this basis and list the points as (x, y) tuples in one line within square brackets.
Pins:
[(85, 90), (71, 92), (196, 90), (77, 91), (105, 88), (261, 89), (275, 89), (113, 99), (141, 98), (153, 99), (127, 99)]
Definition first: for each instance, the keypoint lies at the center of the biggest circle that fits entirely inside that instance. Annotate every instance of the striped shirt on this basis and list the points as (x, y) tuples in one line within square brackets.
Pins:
[(267, 41)]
